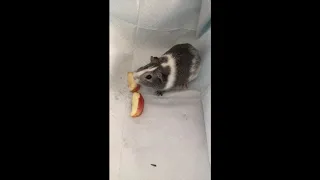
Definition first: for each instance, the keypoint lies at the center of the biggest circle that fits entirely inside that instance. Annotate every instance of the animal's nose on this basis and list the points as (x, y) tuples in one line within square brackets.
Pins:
[(135, 76)]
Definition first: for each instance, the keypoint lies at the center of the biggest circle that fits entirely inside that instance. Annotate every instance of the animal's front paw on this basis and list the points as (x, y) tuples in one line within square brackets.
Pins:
[(159, 93)]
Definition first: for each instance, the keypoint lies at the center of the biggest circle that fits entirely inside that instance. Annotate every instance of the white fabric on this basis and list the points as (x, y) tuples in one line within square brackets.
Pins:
[(173, 131)]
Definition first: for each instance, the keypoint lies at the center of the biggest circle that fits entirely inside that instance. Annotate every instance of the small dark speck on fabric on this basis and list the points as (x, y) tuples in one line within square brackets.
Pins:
[(154, 165)]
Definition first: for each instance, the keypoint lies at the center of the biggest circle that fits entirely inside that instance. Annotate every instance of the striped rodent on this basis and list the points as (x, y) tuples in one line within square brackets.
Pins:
[(174, 69)]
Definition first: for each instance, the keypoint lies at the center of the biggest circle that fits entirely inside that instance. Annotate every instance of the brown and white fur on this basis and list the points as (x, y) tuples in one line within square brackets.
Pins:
[(174, 69)]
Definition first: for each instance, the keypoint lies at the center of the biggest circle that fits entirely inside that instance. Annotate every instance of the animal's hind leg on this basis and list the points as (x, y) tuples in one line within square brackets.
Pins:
[(185, 86)]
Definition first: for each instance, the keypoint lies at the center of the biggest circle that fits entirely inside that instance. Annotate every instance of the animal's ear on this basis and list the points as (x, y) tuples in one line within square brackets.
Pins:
[(154, 59)]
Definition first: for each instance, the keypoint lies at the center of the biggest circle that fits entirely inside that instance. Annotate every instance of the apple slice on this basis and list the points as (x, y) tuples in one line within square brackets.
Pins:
[(133, 86), (137, 104)]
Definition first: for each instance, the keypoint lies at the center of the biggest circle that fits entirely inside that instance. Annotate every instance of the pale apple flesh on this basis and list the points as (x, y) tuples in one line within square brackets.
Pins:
[(137, 104), (133, 86)]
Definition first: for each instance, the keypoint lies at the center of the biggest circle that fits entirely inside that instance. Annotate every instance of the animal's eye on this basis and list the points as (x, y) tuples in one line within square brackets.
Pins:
[(149, 77)]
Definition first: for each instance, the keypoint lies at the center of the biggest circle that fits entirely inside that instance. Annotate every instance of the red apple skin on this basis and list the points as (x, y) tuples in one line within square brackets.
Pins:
[(140, 107), (136, 89)]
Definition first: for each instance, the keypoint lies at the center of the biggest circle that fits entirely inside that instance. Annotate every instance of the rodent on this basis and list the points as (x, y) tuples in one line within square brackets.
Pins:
[(175, 68)]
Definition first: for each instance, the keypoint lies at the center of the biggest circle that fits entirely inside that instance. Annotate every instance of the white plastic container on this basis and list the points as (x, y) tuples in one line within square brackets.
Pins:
[(171, 139)]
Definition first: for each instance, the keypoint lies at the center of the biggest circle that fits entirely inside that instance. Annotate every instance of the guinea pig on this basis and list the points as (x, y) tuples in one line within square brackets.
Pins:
[(175, 68)]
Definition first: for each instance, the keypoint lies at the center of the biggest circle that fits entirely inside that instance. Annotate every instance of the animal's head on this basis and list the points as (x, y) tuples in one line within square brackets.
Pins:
[(151, 75)]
